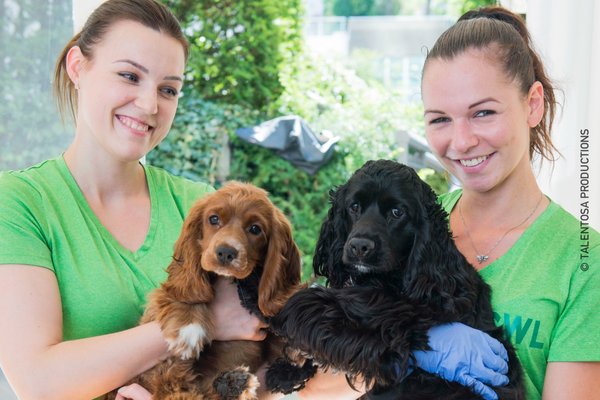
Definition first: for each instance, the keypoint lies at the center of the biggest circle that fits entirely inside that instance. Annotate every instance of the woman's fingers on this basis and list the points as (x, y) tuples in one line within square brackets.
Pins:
[(133, 392)]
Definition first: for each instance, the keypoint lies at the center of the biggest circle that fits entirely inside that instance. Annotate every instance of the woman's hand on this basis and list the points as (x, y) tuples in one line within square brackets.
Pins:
[(232, 320), (465, 355), (133, 392)]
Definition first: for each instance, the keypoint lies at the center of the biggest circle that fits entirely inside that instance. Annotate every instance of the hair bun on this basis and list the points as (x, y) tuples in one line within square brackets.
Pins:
[(500, 14)]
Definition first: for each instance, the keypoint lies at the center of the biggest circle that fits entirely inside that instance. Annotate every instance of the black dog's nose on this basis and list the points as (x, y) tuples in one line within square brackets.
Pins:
[(226, 254), (361, 247)]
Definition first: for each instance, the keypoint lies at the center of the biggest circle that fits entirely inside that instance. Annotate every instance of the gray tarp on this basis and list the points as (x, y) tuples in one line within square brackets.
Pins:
[(293, 140)]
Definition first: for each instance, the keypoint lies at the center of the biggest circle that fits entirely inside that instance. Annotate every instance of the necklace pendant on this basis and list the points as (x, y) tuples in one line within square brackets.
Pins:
[(482, 258)]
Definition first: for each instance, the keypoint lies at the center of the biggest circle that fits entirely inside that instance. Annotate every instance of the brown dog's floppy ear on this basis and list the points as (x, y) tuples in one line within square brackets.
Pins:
[(281, 274), (187, 281)]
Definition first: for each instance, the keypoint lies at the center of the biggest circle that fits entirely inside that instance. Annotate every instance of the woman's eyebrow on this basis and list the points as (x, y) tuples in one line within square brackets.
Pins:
[(145, 70), (477, 103), (483, 101), (433, 112)]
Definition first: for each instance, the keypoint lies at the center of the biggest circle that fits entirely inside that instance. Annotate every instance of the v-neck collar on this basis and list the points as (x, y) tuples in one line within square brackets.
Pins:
[(105, 233), (520, 242)]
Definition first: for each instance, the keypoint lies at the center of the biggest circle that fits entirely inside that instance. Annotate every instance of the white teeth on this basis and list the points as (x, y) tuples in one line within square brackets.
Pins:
[(134, 124), (473, 161), (362, 268)]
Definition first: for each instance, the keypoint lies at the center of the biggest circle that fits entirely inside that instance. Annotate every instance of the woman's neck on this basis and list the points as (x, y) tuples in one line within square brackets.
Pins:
[(101, 177), (485, 225), (504, 204)]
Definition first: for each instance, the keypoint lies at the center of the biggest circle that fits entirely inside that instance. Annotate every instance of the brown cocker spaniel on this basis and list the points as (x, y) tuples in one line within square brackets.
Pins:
[(235, 232)]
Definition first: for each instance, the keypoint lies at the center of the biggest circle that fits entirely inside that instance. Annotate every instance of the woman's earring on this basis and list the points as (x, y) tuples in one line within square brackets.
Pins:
[(76, 85)]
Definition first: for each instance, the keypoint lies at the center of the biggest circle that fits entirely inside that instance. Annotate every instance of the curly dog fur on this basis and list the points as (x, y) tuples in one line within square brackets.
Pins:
[(237, 233), (393, 271)]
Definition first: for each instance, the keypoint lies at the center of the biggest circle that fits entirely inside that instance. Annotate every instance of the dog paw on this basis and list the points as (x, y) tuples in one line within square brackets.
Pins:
[(296, 356), (284, 377), (188, 341), (238, 384)]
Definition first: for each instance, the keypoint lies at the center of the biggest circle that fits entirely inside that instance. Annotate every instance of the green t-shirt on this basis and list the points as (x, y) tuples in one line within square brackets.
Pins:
[(45, 221), (543, 293)]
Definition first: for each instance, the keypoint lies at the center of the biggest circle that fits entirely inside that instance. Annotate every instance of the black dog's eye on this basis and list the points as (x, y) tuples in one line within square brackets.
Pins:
[(354, 208), (397, 212), (255, 230), (213, 219)]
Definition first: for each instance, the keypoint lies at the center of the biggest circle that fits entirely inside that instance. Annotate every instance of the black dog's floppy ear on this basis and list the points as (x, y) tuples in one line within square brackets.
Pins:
[(327, 259), (435, 272)]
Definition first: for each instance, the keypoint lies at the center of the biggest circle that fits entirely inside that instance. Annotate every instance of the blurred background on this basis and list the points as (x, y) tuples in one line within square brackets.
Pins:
[(348, 69)]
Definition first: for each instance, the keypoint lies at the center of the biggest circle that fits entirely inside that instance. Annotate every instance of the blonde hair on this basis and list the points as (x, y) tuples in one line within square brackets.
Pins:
[(150, 13)]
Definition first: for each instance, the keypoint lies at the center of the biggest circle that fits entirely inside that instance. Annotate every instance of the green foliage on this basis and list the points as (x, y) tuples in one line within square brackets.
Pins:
[(437, 181), (32, 34), (332, 98), (237, 47), (454, 8), (349, 8), (474, 4), (327, 95), (196, 139)]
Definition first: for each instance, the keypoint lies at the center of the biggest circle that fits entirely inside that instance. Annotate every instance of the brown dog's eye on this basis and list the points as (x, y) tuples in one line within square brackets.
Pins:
[(213, 219), (354, 208), (255, 230), (397, 212)]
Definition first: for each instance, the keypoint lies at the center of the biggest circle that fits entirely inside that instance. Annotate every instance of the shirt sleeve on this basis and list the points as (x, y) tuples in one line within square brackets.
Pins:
[(22, 238), (577, 332)]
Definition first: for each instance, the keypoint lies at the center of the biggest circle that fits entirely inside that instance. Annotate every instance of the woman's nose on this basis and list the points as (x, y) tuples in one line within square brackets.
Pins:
[(463, 137), (147, 100)]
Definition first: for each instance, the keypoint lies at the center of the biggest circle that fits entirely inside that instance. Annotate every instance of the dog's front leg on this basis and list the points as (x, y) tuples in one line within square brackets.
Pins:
[(189, 333), (187, 328), (361, 331)]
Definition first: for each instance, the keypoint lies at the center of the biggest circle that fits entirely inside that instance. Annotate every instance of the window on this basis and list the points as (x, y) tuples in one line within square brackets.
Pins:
[(32, 33)]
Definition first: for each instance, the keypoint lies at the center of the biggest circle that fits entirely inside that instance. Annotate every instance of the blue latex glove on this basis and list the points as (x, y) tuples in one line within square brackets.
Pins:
[(465, 355)]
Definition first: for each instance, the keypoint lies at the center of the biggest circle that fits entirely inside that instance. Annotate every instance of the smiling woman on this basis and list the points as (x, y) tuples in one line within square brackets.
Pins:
[(489, 109), (86, 235), (138, 91)]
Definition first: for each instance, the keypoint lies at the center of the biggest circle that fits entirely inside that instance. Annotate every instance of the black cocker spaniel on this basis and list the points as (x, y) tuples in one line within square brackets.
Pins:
[(393, 271)]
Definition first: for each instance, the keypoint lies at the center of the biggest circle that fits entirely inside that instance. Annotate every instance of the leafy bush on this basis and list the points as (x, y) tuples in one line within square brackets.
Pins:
[(200, 130), (325, 94), (328, 96), (237, 47)]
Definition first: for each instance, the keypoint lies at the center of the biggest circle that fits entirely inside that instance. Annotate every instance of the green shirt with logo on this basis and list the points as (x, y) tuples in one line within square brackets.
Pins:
[(546, 292)]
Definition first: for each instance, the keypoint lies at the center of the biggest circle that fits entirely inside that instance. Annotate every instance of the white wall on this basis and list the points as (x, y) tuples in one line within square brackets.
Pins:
[(567, 34), (81, 10)]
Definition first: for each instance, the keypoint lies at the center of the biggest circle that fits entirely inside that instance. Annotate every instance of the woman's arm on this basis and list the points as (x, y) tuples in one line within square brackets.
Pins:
[(327, 385), (39, 365), (572, 380)]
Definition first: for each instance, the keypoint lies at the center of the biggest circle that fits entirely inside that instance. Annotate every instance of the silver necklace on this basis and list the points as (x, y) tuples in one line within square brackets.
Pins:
[(485, 256)]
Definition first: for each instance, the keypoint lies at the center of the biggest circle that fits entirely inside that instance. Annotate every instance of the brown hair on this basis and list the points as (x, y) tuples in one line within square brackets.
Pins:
[(507, 40), (149, 13)]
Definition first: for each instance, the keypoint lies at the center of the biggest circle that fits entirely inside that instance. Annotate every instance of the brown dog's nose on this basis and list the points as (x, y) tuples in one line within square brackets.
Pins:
[(361, 247), (226, 254)]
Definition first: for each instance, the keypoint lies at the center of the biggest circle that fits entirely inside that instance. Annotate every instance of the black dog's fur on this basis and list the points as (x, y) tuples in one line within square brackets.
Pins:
[(393, 272)]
